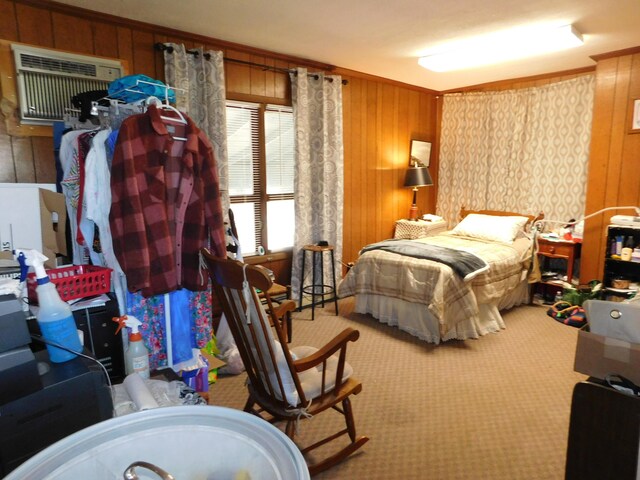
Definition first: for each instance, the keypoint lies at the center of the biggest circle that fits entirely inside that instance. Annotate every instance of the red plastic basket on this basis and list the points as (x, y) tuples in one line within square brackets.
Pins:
[(76, 281)]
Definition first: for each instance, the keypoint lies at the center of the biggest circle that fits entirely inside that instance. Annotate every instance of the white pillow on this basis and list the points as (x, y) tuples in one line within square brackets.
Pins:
[(266, 341), (490, 227), (311, 380), (289, 386)]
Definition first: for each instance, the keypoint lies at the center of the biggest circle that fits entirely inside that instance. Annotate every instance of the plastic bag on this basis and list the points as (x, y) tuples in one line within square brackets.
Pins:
[(198, 378), (133, 88), (228, 350)]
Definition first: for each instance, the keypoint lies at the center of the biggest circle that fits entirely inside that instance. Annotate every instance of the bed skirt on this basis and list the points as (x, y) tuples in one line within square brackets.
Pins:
[(417, 320)]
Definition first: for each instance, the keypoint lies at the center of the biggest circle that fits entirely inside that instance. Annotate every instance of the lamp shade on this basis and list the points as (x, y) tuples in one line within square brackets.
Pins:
[(417, 177)]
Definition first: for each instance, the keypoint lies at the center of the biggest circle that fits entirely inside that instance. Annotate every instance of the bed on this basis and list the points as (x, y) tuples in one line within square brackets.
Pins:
[(431, 300)]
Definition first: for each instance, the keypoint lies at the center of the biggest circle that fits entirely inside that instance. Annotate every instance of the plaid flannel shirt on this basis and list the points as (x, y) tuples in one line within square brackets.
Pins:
[(165, 204)]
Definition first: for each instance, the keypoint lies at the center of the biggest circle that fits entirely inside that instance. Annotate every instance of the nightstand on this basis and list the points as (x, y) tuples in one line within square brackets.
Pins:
[(557, 259), (411, 229)]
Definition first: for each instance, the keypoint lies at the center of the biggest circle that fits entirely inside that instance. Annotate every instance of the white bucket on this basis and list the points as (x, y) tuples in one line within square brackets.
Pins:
[(189, 442)]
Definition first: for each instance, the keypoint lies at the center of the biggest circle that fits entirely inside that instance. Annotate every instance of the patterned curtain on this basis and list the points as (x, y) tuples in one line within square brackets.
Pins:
[(521, 150), (319, 170), (200, 93)]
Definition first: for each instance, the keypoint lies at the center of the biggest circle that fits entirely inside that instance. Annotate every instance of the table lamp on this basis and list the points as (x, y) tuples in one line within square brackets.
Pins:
[(416, 177)]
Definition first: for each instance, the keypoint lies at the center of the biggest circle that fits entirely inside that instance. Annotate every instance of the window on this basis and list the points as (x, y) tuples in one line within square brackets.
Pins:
[(261, 156)]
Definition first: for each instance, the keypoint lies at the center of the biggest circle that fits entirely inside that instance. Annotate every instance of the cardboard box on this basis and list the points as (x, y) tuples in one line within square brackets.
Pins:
[(599, 356), (33, 217), (214, 362)]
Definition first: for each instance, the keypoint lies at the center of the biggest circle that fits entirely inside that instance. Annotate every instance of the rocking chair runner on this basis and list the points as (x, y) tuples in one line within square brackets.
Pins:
[(286, 384)]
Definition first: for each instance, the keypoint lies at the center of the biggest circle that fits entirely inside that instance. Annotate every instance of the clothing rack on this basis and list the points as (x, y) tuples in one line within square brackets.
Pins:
[(71, 119), (102, 113), (168, 48), (84, 184), (120, 109)]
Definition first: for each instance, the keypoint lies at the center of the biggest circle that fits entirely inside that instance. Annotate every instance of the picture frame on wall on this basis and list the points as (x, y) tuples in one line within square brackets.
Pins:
[(420, 153), (635, 119)]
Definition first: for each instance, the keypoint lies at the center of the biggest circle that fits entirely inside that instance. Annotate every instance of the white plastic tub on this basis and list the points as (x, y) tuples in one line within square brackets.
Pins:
[(189, 442)]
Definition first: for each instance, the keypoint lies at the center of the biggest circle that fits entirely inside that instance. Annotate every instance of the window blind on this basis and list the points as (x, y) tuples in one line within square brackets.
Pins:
[(243, 144), (279, 138), (243, 150), (261, 174)]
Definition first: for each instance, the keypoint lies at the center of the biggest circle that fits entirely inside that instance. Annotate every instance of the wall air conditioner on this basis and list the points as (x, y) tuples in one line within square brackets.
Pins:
[(48, 79)]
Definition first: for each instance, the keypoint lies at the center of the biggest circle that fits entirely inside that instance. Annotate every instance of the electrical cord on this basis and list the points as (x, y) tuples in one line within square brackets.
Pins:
[(40, 338), (347, 265), (574, 222)]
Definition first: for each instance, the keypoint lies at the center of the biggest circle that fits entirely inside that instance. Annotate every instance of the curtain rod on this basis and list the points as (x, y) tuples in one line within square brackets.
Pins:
[(162, 47), (277, 69)]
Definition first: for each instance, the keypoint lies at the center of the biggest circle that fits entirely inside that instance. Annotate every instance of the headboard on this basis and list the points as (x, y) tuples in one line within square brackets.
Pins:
[(532, 218)]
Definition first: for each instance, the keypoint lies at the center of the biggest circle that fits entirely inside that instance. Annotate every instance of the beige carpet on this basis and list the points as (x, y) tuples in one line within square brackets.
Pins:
[(494, 408)]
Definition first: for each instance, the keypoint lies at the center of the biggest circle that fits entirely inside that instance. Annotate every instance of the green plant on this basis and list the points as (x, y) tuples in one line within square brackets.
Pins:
[(577, 296)]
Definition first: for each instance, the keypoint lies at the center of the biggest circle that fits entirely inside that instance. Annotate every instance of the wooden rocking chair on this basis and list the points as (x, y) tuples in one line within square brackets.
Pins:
[(285, 384)]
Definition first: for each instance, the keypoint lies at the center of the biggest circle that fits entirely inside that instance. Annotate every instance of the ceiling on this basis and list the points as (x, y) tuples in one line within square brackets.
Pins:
[(385, 38)]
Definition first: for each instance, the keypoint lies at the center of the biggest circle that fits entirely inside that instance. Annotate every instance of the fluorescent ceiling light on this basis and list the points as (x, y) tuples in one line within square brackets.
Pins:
[(503, 47)]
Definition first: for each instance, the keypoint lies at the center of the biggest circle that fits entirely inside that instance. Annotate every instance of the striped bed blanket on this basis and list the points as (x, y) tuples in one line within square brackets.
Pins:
[(465, 264), (431, 283)]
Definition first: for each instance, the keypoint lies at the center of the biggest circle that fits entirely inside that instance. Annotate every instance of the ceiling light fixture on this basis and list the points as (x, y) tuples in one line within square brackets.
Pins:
[(502, 47)]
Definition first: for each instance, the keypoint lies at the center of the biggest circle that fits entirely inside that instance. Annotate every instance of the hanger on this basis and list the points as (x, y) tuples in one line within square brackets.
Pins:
[(165, 106), (71, 120)]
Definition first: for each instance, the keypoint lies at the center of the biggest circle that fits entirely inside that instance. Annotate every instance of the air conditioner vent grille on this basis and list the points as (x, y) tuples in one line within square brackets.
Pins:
[(56, 65), (47, 80), (47, 95)]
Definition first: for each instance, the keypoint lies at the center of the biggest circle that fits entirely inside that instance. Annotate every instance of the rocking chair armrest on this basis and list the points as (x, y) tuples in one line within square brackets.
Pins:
[(284, 307), (339, 342)]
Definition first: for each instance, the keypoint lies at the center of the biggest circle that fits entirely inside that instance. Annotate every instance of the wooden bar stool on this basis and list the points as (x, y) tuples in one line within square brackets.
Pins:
[(318, 288)]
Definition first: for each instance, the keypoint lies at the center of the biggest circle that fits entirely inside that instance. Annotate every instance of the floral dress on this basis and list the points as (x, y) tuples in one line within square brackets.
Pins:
[(189, 321)]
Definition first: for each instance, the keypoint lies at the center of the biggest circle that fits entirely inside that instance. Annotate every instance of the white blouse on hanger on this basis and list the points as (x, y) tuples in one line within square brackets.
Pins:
[(97, 194)]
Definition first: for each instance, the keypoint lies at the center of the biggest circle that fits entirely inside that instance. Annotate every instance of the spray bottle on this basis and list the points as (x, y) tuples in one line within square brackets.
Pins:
[(136, 356), (24, 270), (54, 316)]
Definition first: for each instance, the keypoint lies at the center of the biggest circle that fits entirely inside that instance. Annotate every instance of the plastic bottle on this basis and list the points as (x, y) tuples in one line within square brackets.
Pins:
[(558, 297), (54, 316), (619, 239), (136, 356), (627, 251)]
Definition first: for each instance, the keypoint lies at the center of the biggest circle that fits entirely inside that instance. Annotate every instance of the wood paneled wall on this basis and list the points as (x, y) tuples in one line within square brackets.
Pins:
[(614, 165), (380, 116), (380, 119)]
